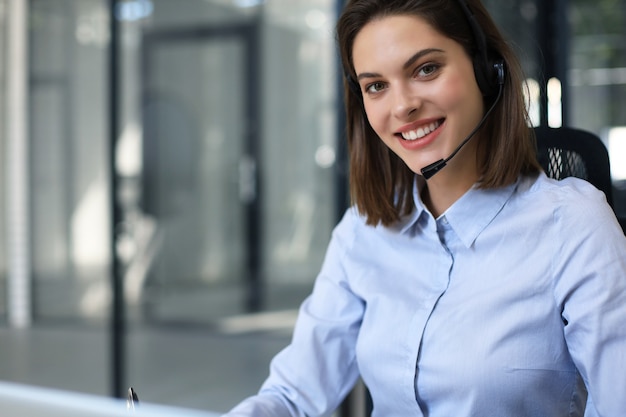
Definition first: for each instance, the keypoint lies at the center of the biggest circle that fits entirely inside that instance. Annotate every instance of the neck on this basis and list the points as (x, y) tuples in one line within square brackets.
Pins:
[(437, 202), (445, 188)]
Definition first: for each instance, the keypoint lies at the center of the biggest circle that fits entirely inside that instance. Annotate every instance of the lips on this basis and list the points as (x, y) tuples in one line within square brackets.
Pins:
[(420, 131)]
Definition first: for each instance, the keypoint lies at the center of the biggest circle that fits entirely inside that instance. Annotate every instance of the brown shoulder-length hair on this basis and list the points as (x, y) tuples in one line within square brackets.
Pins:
[(381, 185)]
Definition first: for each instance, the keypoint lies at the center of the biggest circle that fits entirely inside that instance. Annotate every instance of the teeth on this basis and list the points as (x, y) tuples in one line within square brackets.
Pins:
[(421, 131)]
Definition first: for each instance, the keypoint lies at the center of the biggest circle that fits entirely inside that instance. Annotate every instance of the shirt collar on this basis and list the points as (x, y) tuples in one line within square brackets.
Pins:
[(476, 209), (469, 215), (407, 222)]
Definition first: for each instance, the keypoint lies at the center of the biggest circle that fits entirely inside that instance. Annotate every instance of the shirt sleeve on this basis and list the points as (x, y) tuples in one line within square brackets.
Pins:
[(590, 265), (312, 375)]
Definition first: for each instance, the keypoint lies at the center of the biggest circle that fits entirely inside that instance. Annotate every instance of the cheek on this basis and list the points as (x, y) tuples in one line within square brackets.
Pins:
[(449, 94), (461, 92)]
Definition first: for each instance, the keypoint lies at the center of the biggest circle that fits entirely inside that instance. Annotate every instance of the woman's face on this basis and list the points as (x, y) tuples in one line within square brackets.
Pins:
[(419, 92)]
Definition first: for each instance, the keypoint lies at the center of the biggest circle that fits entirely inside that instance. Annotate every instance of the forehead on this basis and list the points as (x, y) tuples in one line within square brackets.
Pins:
[(394, 37)]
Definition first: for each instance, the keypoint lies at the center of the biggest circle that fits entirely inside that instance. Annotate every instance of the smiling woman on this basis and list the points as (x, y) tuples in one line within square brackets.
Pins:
[(483, 323)]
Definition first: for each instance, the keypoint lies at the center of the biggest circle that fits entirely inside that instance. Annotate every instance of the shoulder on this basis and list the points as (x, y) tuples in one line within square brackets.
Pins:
[(574, 204), (570, 188), (352, 235), (346, 232), (353, 225), (569, 195)]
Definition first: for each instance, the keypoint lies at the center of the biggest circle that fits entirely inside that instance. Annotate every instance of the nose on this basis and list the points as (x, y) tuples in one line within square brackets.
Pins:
[(405, 101)]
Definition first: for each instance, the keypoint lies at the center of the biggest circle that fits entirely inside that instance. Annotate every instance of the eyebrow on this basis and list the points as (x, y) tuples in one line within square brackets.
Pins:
[(407, 64)]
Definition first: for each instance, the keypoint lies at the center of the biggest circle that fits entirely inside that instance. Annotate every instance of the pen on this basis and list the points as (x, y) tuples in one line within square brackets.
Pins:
[(133, 399)]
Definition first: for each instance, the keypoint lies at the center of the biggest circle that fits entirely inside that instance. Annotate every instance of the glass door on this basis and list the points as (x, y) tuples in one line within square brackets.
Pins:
[(199, 172)]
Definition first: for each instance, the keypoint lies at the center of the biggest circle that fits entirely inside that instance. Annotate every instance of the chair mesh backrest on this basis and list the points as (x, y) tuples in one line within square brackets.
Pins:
[(563, 164), (569, 152)]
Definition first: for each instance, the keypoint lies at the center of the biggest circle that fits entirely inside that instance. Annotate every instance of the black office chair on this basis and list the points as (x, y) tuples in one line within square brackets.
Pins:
[(570, 152)]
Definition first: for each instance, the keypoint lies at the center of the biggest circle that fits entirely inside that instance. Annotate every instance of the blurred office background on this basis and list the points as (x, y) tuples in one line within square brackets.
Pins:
[(171, 171)]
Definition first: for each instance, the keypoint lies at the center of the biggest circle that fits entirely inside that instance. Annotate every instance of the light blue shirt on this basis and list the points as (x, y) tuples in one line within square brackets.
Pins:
[(508, 305)]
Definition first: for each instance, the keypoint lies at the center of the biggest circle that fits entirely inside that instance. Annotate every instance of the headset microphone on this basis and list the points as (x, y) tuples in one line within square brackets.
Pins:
[(431, 169)]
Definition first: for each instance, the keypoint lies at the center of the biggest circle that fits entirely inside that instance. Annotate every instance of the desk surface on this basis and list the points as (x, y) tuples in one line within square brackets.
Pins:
[(29, 401)]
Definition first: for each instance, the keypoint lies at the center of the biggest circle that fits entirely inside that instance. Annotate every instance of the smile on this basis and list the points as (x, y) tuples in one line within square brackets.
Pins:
[(421, 131)]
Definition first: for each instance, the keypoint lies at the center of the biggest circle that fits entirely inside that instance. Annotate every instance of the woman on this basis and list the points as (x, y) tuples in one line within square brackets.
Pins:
[(478, 287)]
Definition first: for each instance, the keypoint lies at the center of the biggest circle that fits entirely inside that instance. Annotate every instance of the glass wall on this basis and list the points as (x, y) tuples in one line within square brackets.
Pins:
[(225, 177), (68, 159), (225, 156)]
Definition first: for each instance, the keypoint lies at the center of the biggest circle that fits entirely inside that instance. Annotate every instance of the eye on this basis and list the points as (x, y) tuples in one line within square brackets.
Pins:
[(375, 87), (427, 70)]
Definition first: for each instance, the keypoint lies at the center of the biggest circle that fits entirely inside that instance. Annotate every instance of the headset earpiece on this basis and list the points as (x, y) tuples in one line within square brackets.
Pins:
[(489, 74)]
